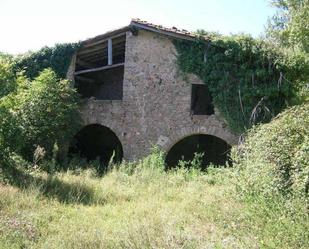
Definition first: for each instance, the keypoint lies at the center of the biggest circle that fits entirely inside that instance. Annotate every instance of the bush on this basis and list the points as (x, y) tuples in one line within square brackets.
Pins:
[(57, 58), (47, 112), (8, 84), (9, 134), (7, 76), (274, 158), (42, 112)]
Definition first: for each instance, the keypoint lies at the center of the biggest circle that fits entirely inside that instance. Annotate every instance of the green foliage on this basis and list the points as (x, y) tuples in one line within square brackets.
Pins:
[(47, 112), (57, 58), (145, 207), (9, 134), (41, 113), (274, 158), (7, 75), (289, 27), (250, 81)]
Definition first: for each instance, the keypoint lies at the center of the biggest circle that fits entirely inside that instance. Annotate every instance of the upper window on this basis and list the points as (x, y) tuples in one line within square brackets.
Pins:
[(201, 100), (99, 68)]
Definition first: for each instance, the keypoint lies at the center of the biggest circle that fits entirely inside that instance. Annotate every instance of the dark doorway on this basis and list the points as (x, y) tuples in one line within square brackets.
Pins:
[(97, 142), (216, 151)]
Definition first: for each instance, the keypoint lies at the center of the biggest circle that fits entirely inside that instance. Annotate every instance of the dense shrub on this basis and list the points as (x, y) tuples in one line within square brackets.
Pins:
[(274, 158), (250, 81), (9, 135), (47, 112), (57, 58), (41, 112), (8, 84), (7, 75)]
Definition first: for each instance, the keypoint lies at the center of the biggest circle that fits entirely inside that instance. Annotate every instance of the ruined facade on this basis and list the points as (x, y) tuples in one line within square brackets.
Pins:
[(132, 87)]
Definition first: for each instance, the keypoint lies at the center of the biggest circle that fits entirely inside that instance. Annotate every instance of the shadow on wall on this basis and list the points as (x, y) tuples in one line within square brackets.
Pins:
[(216, 151), (97, 142)]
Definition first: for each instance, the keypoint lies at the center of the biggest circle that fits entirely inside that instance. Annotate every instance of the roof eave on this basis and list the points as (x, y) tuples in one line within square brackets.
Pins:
[(106, 35), (175, 35)]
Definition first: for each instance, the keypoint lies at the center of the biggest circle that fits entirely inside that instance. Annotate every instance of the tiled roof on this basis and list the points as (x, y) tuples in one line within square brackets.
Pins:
[(155, 27), (138, 23)]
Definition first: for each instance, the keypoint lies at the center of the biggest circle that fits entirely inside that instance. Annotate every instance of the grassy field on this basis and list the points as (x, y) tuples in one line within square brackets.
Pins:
[(141, 206)]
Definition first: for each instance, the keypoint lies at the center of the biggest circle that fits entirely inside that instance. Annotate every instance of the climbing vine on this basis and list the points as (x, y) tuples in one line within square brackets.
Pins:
[(250, 81), (57, 58)]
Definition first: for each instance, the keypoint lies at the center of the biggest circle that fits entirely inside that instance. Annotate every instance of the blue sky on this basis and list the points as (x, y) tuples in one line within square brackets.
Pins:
[(31, 24)]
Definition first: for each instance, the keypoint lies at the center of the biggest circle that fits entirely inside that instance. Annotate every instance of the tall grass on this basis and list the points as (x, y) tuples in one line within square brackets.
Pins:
[(140, 205)]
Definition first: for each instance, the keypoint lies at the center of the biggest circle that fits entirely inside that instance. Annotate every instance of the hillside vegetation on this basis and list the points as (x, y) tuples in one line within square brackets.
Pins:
[(274, 160)]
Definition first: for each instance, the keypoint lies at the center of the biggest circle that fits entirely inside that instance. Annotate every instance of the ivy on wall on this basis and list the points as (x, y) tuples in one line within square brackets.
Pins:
[(250, 81), (57, 58)]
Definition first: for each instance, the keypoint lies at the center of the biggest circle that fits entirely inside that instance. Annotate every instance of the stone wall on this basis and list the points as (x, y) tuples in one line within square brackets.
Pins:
[(155, 108)]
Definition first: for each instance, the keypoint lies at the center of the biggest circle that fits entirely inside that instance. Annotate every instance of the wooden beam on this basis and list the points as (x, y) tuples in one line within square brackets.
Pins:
[(85, 79), (91, 70), (83, 63), (110, 52), (90, 44), (93, 49), (101, 46), (99, 51)]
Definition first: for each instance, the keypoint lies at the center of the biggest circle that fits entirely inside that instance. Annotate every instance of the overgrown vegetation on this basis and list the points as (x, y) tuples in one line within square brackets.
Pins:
[(289, 27), (274, 158), (140, 205), (250, 81), (7, 75), (260, 202), (57, 58), (38, 113)]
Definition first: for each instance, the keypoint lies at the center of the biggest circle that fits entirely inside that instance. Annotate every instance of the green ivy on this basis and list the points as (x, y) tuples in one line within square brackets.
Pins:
[(250, 81), (57, 58)]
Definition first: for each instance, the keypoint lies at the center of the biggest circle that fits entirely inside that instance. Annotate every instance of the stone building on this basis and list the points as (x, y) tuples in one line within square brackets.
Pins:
[(135, 97)]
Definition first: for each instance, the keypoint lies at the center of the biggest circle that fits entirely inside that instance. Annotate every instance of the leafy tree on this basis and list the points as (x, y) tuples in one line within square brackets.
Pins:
[(47, 112), (289, 27), (57, 58), (7, 76), (41, 112), (10, 133)]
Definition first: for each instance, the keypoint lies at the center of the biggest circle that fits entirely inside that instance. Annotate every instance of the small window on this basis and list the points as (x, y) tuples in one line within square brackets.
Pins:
[(201, 100)]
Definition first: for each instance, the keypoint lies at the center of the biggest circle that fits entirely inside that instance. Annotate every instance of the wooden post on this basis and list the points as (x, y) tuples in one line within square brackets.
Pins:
[(110, 52)]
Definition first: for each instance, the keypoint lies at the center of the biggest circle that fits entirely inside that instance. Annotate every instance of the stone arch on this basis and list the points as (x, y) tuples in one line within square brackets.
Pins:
[(216, 135), (96, 141), (214, 150), (220, 132)]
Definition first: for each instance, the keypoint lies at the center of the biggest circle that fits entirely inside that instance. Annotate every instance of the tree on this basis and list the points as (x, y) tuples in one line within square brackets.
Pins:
[(7, 76), (47, 112), (58, 58), (289, 27)]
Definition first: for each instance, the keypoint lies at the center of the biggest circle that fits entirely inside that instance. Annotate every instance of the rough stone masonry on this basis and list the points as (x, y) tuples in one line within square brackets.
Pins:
[(156, 103)]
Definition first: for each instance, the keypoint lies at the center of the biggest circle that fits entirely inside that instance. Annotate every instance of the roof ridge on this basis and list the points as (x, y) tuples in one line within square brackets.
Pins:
[(162, 28)]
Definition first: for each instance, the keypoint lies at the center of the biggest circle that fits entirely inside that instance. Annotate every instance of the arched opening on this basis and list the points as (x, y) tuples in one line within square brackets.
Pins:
[(216, 151), (97, 142)]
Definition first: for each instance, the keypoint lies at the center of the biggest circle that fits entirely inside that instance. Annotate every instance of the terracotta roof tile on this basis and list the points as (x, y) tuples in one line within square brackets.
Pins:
[(161, 28)]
